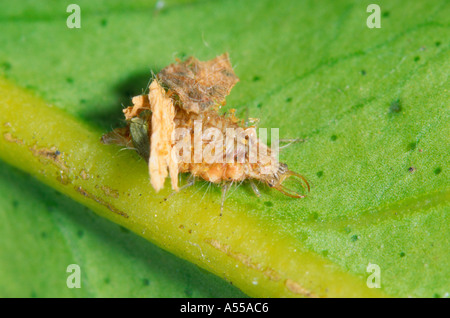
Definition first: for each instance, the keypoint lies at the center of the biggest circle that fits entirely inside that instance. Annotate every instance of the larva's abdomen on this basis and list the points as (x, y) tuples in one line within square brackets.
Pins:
[(216, 172), (238, 169)]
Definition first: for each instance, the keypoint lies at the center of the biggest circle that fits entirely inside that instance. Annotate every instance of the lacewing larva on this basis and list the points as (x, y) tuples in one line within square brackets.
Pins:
[(177, 128)]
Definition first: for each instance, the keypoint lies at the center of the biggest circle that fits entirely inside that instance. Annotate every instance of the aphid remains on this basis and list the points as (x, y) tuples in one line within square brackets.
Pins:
[(177, 128)]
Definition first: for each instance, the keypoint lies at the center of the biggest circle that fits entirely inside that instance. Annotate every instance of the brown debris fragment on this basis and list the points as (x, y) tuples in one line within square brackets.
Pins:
[(140, 103), (101, 201), (163, 113), (296, 288), (110, 192), (10, 138), (84, 175), (119, 136), (244, 259), (200, 85), (53, 156)]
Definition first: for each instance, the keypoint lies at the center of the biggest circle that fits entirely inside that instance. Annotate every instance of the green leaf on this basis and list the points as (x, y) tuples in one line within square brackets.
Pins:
[(372, 105)]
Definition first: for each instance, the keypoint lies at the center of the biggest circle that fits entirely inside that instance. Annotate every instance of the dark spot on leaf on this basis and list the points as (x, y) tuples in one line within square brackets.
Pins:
[(6, 66), (437, 171), (104, 22), (417, 58), (386, 14), (357, 106), (69, 80), (83, 101), (256, 78), (411, 146), (411, 169), (354, 238), (44, 235), (124, 230), (80, 233), (259, 105), (51, 205), (268, 203), (438, 43), (333, 138), (289, 99), (107, 280), (436, 295), (363, 72), (33, 294), (188, 292), (402, 254), (325, 253), (15, 204), (145, 282), (395, 106), (320, 174)]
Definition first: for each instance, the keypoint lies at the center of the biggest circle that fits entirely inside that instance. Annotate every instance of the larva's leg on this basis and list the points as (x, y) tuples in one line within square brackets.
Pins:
[(290, 141), (255, 188), (225, 187), (293, 193), (190, 182)]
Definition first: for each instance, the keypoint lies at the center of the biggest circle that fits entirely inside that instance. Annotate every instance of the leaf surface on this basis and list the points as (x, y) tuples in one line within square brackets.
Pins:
[(372, 105)]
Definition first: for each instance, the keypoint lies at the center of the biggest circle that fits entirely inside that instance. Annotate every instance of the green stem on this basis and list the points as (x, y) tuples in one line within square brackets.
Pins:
[(67, 155)]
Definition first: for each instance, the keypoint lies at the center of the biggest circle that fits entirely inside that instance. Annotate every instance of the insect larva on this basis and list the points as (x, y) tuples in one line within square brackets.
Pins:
[(163, 127)]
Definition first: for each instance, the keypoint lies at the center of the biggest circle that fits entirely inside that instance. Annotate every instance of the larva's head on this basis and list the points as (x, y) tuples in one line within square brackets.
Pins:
[(279, 179)]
